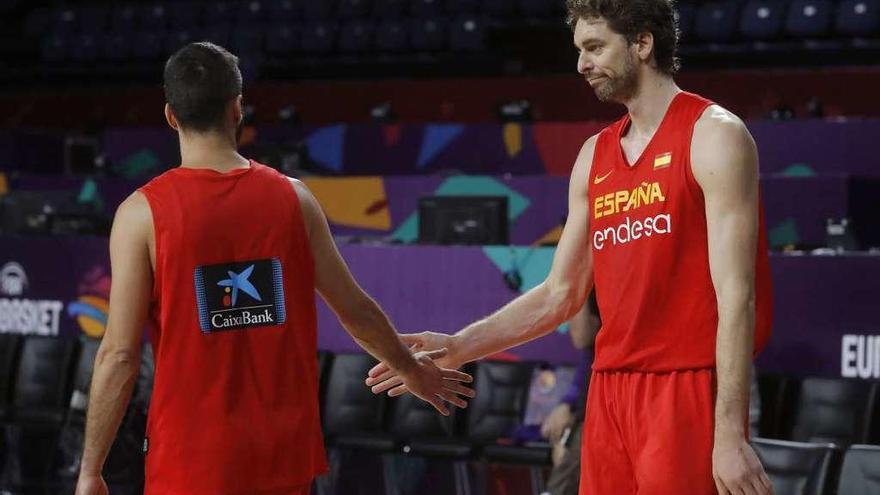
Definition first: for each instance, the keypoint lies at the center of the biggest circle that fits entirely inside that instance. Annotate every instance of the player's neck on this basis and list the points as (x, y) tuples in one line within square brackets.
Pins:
[(648, 107), (210, 150)]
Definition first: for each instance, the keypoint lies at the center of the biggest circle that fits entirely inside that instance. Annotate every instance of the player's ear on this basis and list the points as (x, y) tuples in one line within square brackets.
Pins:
[(237, 112), (170, 118), (644, 46)]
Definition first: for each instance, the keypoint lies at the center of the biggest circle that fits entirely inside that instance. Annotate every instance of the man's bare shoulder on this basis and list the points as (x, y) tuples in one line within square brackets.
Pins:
[(719, 125), (720, 139), (135, 210)]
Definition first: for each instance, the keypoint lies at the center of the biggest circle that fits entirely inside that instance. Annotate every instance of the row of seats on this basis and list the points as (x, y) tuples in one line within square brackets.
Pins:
[(96, 34), (798, 468), (760, 24), (43, 382), (714, 20), (357, 36), (188, 15), (821, 410), (44, 385)]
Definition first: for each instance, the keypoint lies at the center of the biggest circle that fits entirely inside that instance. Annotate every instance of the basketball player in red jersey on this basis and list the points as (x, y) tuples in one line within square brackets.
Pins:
[(667, 199), (224, 256)]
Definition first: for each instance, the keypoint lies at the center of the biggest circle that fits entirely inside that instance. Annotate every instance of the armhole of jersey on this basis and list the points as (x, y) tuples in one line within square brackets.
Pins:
[(689, 179), (157, 281), (593, 170), (299, 221)]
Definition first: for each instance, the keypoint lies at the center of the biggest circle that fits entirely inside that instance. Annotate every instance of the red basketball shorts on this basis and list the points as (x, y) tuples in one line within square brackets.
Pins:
[(649, 434)]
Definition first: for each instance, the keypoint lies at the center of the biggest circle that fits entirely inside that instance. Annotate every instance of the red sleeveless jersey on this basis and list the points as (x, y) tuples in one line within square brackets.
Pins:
[(650, 252), (234, 408)]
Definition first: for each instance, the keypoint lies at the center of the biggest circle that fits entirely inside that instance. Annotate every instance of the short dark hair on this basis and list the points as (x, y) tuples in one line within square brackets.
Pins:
[(200, 80), (633, 17)]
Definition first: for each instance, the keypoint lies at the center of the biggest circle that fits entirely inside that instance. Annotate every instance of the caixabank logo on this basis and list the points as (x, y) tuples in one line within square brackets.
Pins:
[(239, 295)]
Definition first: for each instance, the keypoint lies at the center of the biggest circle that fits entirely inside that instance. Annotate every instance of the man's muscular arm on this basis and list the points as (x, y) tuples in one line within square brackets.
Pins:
[(532, 314), (725, 164), (118, 358)]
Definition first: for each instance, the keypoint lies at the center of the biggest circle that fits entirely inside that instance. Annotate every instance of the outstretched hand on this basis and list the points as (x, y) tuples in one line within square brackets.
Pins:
[(382, 378), (435, 385)]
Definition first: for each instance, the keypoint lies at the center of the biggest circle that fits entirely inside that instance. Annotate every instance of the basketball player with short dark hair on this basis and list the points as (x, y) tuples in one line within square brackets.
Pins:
[(223, 256)]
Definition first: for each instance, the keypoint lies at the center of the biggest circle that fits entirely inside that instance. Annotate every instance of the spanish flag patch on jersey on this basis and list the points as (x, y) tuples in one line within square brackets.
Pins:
[(662, 161)]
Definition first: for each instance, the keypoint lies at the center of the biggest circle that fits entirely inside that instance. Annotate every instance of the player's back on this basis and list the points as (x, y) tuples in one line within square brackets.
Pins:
[(235, 400)]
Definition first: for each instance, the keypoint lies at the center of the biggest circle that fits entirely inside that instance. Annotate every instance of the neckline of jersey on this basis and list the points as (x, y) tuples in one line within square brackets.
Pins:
[(625, 125), (210, 173)]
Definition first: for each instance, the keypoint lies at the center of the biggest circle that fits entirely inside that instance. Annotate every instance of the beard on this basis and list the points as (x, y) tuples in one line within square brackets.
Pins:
[(621, 87)]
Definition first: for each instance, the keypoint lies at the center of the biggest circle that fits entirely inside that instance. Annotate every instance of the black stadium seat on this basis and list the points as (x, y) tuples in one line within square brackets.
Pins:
[(319, 37), (535, 455), (858, 18), (502, 393), (73, 430), (39, 405), (797, 468), (353, 418), (833, 410), (42, 382), (861, 471), (391, 36), (809, 18), (467, 34), (428, 34), (325, 358), (282, 39), (356, 36), (423, 432), (501, 397), (776, 392), (9, 348), (353, 415), (716, 21), (762, 20)]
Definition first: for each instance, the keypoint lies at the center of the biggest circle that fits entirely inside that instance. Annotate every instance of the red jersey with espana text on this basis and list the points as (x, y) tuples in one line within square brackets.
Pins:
[(234, 408), (648, 237)]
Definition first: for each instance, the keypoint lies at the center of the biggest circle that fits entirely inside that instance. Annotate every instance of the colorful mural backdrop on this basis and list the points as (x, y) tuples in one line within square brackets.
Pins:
[(59, 287)]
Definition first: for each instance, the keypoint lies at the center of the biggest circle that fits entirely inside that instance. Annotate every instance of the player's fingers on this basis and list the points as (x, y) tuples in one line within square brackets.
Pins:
[(722, 490), (387, 384), (747, 486), (453, 399), (398, 390), (457, 376), (738, 489), (373, 380), (768, 485), (413, 339), (379, 369), (460, 389), (437, 353), (757, 486), (439, 406)]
